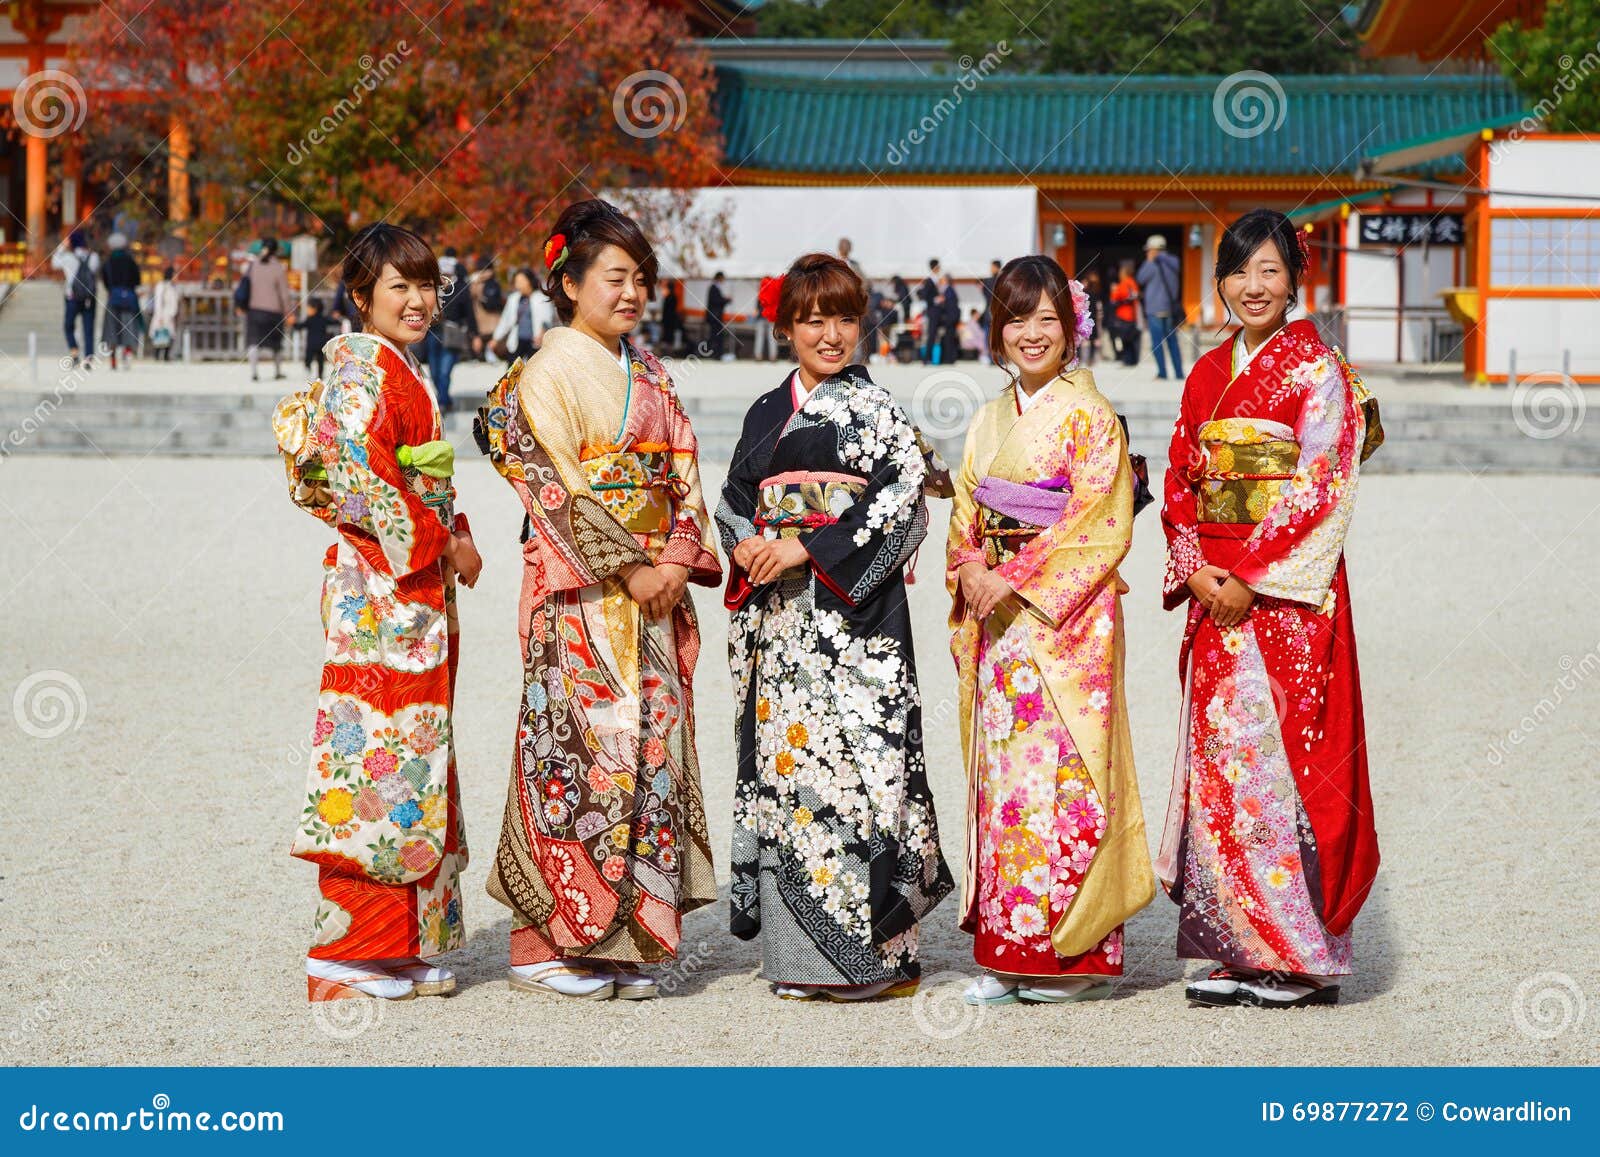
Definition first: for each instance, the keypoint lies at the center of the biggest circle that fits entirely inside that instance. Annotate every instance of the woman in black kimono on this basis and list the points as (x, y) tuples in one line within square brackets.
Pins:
[(835, 847)]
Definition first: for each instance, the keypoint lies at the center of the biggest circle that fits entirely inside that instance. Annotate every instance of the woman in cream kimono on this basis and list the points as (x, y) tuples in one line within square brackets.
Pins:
[(1043, 516), (604, 844)]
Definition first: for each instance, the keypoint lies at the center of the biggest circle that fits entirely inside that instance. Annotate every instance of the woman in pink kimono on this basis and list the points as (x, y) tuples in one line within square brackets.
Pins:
[(1043, 516)]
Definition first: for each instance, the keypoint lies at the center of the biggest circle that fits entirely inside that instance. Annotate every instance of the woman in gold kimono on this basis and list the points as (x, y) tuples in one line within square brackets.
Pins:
[(604, 845)]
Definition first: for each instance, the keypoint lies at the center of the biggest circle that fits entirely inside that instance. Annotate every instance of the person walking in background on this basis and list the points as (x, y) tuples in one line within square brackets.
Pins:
[(523, 322), (1089, 348), (949, 347), (267, 305), (1159, 279), (987, 285), (1125, 310), (928, 293), (453, 331), (901, 292), (716, 314), (672, 316), (164, 303), (80, 267), (317, 326), (766, 312), (122, 276)]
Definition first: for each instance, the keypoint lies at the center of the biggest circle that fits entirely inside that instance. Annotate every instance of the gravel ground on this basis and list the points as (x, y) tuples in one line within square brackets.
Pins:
[(161, 654)]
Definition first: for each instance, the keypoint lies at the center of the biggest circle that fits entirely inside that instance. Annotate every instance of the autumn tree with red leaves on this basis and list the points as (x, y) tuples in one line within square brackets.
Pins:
[(473, 121)]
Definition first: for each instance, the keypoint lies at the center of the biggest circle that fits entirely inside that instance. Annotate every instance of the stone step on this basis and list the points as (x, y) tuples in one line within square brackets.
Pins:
[(82, 419)]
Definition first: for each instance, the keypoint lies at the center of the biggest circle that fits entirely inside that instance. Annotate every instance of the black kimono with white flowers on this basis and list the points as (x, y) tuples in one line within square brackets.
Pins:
[(836, 847)]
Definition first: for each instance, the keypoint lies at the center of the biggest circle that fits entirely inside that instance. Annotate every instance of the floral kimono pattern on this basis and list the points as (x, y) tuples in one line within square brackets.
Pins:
[(1056, 854), (382, 819), (835, 846), (1269, 845), (604, 844)]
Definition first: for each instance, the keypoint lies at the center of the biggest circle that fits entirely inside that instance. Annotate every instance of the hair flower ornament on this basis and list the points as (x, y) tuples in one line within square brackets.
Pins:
[(556, 252), (1082, 315)]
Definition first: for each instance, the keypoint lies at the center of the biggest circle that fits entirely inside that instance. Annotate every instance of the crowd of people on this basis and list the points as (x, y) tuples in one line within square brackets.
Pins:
[(1267, 842)]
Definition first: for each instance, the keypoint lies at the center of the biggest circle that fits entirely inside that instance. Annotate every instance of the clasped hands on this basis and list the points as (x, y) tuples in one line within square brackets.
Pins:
[(764, 559), (1225, 597), (982, 588), (658, 588)]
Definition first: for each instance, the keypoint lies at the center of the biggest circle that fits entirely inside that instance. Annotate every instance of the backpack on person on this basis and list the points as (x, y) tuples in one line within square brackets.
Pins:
[(83, 280), (241, 293)]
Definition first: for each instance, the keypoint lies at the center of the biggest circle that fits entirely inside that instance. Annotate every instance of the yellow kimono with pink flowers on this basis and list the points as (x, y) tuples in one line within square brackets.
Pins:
[(1056, 852)]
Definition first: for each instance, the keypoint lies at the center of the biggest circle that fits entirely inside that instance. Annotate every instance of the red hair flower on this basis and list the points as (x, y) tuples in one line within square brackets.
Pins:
[(555, 252)]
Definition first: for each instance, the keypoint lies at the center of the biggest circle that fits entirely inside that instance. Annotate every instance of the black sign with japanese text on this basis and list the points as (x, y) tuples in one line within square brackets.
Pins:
[(1412, 229)]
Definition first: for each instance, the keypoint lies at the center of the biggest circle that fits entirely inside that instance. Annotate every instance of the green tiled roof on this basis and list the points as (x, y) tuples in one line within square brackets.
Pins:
[(1041, 126)]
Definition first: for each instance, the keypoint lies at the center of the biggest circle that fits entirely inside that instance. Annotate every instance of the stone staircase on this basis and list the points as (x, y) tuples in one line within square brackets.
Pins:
[(33, 307), (85, 414)]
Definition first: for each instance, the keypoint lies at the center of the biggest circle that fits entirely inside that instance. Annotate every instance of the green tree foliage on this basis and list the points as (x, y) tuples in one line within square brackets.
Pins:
[(1557, 64), (1176, 37)]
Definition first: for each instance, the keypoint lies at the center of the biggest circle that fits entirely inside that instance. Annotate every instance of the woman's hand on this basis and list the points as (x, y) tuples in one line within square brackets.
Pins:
[(462, 554), (648, 587), (1204, 582), (983, 589), (1231, 603), (780, 555), (745, 554), (677, 580)]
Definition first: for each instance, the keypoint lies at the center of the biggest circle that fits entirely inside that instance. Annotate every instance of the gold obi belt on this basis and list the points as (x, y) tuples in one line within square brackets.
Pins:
[(800, 501), (1247, 461), (636, 484)]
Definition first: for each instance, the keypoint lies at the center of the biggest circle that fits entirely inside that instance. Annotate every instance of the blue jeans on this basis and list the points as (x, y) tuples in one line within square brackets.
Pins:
[(441, 364), (84, 311), (1164, 337)]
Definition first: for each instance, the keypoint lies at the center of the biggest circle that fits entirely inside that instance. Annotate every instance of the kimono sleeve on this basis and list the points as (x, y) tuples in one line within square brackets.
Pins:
[(1179, 513), (963, 544), (1066, 564), (356, 439), (576, 538), (1295, 549), (736, 511), (875, 538), (692, 542)]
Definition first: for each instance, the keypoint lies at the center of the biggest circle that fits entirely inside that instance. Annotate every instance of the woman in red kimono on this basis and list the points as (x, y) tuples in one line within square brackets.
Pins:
[(1269, 847), (382, 818)]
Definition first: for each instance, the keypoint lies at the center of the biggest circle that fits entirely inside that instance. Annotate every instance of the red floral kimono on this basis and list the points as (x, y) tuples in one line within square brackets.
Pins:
[(1269, 846), (365, 454)]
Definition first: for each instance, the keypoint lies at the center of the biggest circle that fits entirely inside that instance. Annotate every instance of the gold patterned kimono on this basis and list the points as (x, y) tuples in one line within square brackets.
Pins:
[(1056, 853), (604, 844)]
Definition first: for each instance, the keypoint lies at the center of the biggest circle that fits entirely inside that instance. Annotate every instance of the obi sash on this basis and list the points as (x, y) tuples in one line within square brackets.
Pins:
[(1247, 461), (1012, 513), (636, 484), (799, 501)]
